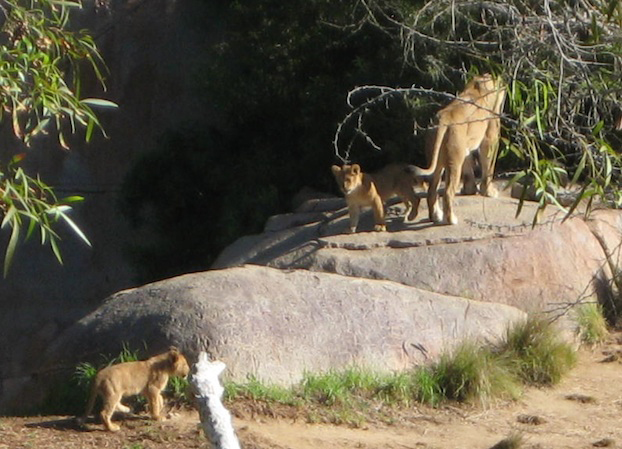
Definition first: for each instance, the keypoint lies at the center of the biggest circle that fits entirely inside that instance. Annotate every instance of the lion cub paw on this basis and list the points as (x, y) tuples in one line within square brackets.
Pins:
[(491, 192), (380, 228)]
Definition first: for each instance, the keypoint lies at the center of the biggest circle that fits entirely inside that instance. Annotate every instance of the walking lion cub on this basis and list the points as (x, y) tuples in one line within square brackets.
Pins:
[(148, 377), (364, 190)]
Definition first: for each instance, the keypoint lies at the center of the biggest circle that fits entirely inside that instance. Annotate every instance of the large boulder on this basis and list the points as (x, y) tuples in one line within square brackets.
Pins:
[(492, 255), (277, 324)]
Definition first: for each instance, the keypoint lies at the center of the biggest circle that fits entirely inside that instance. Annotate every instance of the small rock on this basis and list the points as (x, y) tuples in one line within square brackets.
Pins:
[(605, 442), (582, 398), (530, 419)]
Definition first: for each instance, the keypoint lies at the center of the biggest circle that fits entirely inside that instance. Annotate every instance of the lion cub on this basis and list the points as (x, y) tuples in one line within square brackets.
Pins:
[(362, 190), (148, 377)]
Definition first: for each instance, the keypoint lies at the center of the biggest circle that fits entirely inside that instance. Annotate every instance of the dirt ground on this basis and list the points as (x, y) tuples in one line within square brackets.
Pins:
[(583, 411)]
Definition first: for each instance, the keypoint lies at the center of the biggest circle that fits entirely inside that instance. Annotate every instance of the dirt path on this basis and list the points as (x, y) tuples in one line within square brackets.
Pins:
[(584, 411)]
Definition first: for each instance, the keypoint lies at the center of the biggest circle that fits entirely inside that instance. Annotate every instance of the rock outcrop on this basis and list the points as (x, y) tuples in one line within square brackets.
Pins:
[(490, 256), (277, 324)]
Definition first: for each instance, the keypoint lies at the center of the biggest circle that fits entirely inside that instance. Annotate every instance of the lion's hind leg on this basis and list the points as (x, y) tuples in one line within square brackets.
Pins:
[(378, 210), (469, 186), (454, 172), (112, 399), (110, 405), (436, 214), (411, 201)]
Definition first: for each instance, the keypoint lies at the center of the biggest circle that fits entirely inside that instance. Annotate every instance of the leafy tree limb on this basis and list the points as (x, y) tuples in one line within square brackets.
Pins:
[(40, 64)]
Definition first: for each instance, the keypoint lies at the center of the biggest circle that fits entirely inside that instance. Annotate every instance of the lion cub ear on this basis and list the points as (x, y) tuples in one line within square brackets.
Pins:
[(356, 169), (173, 356), (335, 169)]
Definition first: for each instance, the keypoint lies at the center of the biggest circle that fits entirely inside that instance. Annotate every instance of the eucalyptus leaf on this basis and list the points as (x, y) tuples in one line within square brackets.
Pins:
[(98, 102)]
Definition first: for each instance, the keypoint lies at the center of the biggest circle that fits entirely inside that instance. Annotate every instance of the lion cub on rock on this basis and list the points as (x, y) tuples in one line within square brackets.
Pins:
[(148, 377), (364, 190)]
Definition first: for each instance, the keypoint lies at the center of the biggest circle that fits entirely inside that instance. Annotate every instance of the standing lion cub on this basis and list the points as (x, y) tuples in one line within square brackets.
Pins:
[(148, 377), (364, 190)]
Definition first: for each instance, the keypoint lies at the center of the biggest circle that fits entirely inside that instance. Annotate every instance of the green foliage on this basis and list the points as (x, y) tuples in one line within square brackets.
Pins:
[(85, 373), (40, 63), (126, 355), (539, 356), (259, 391), (468, 373), (178, 390), (592, 324), (27, 202)]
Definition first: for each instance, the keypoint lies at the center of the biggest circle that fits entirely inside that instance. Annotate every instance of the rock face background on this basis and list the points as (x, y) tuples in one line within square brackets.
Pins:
[(150, 47)]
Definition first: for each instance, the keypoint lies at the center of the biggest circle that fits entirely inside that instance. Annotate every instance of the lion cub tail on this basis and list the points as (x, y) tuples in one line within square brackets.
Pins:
[(91, 402)]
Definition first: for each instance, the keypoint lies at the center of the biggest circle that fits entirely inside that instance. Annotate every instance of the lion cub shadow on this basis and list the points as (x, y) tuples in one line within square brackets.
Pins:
[(394, 217), (121, 417), (72, 423)]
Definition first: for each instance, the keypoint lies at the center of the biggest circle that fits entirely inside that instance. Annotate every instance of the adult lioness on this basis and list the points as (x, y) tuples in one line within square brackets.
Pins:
[(148, 377), (468, 123), (363, 190)]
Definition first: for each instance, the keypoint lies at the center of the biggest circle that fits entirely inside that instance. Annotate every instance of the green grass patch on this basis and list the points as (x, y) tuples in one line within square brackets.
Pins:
[(259, 391), (339, 387), (469, 373), (514, 441), (537, 354), (399, 388), (530, 353), (592, 324), (178, 392)]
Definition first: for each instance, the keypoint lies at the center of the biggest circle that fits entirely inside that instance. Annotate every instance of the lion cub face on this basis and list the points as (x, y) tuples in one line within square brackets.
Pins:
[(348, 177), (179, 363)]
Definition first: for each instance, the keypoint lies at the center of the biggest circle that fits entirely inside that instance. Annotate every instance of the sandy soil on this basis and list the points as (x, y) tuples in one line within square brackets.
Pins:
[(583, 411)]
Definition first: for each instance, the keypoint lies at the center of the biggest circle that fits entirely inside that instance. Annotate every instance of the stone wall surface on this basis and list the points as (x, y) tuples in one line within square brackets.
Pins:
[(150, 48)]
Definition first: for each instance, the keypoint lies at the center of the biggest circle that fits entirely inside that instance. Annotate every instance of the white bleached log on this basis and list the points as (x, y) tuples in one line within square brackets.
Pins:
[(215, 418)]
